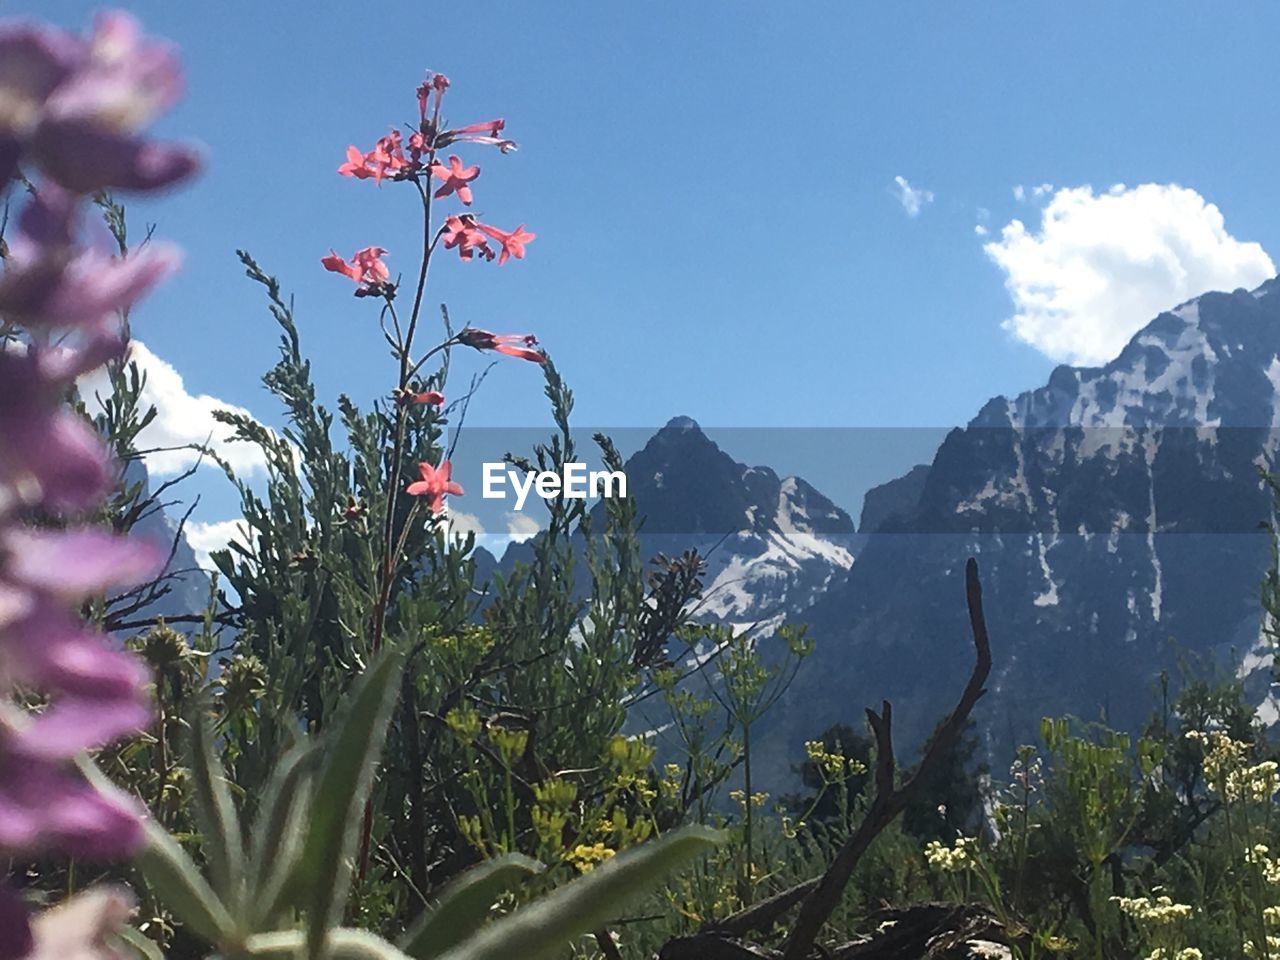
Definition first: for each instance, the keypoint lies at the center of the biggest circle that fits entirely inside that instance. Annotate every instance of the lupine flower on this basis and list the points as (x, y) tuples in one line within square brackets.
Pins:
[(48, 280), (74, 108), (464, 233), (513, 345), (435, 484), (455, 177), (512, 243), (366, 266), (49, 457), (82, 927)]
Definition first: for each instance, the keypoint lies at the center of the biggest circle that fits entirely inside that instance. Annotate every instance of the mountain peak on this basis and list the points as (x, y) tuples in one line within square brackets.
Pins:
[(682, 423)]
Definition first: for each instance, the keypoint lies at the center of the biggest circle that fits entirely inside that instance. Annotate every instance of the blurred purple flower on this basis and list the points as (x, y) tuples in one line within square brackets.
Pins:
[(82, 927), (49, 456), (48, 280), (75, 107), (16, 937), (45, 806)]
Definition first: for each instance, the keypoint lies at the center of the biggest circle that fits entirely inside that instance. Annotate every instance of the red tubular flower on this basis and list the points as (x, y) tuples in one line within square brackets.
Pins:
[(387, 156), (366, 266), (463, 233), (513, 345), (455, 177), (486, 132), (512, 243), (356, 166), (435, 484)]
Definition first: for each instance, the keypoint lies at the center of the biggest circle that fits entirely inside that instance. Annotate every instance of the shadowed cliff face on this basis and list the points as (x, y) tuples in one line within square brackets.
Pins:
[(1115, 513)]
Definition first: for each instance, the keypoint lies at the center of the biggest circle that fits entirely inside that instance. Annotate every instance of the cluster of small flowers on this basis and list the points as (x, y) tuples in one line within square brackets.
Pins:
[(1227, 770), (952, 859), (71, 110), (1186, 953), (1271, 952), (740, 798), (1026, 772), (832, 765), (586, 858), (388, 160), (1153, 910), (1260, 855)]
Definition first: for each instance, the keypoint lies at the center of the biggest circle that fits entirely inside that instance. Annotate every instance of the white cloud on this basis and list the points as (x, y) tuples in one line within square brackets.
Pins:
[(204, 538), (1101, 266), (912, 198), (521, 526), (1021, 192), (181, 417), (461, 523), (979, 230)]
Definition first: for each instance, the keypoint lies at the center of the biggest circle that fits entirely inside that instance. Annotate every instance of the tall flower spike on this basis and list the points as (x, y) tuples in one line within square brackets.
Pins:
[(74, 109)]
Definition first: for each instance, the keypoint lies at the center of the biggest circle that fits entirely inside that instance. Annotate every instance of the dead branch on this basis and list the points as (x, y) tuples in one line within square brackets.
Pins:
[(889, 801)]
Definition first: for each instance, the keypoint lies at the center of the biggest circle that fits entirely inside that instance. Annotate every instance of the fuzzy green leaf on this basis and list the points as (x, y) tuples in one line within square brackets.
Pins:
[(350, 758), (179, 885), (464, 906), (139, 944), (343, 943), (215, 812), (542, 929), (278, 831)]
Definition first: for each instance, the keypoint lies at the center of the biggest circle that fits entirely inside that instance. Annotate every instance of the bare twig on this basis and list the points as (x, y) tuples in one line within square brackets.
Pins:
[(889, 801)]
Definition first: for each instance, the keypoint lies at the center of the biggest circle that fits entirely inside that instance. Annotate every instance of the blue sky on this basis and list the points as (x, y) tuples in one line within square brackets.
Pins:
[(720, 231)]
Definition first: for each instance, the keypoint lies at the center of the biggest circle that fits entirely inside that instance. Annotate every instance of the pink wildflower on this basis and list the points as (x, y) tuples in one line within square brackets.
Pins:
[(512, 243), (486, 133), (435, 484), (456, 178), (462, 232), (356, 166), (513, 345), (365, 267)]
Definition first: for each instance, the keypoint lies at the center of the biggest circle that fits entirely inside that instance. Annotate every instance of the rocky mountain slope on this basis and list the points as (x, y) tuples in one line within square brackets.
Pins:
[(772, 544), (1115, 513)]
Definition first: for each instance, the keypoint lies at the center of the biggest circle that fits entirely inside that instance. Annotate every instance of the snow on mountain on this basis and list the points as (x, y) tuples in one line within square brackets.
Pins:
[(1115, 513), (772, 544)]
